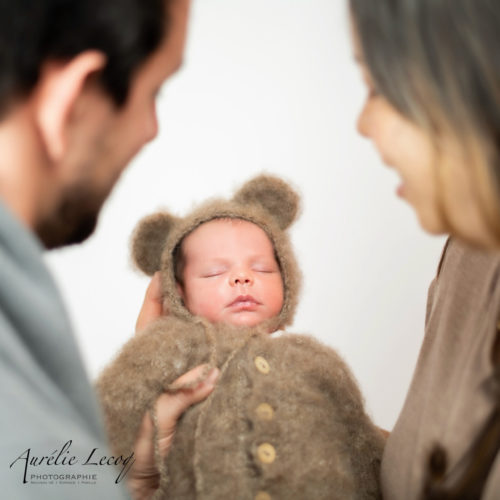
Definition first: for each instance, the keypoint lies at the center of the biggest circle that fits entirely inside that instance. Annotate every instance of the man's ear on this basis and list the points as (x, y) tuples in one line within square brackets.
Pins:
[(60, 86)]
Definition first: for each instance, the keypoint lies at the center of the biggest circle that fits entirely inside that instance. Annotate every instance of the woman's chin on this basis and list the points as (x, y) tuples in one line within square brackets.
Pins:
[(431, 221)]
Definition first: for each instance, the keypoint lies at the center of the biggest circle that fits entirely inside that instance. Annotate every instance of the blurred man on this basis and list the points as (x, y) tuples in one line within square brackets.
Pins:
[(78, 83)]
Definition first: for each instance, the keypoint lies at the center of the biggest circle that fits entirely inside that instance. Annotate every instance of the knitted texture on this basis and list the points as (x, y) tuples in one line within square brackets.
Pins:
[(325, 445), (286, 418)]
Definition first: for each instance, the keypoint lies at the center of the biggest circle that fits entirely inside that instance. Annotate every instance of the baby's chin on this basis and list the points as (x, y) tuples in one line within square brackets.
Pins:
[(244, 319)]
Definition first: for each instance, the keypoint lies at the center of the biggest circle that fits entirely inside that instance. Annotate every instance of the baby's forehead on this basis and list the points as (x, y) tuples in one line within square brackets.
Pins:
[(228, 223), (212, 233)]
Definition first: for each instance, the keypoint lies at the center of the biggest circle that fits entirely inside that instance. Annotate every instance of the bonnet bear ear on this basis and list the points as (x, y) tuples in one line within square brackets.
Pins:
[(274, 195), (148, 241)]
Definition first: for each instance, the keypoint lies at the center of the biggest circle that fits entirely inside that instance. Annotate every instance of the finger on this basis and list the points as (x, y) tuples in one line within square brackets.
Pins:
[(152, 306), (384, 432), (171, 406)]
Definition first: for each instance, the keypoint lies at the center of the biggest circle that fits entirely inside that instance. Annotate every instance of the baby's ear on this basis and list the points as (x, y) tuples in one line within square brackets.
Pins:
[(148, 241), (274, 195)]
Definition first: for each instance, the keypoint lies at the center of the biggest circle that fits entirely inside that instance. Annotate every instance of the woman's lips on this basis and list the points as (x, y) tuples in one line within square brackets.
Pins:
[(244, 303)]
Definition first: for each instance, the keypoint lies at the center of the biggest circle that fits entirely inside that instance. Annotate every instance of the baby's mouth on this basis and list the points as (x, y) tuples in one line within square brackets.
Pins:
[(244, 302)]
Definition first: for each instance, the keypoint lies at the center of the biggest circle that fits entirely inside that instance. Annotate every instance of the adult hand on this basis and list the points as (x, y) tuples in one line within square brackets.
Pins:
[(144, 476), (384, 433), (152, 306)]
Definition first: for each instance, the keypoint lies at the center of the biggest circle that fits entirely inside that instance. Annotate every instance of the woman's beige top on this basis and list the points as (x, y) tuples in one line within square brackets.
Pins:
[(447, 402)]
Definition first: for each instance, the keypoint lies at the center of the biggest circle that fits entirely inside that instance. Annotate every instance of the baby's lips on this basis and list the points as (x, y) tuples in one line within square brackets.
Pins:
[(243, 298)]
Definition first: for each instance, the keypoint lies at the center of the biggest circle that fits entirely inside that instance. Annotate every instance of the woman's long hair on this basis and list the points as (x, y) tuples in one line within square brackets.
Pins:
[(437, 62)]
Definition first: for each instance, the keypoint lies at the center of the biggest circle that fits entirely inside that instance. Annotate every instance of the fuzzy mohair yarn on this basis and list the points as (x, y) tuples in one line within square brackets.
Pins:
[(286, 419)]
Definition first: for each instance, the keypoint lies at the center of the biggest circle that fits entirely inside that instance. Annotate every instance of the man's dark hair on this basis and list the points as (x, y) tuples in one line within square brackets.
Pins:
[(36, 31)]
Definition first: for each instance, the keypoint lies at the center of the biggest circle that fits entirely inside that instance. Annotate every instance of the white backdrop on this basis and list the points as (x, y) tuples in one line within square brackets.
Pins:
[(270, 85)]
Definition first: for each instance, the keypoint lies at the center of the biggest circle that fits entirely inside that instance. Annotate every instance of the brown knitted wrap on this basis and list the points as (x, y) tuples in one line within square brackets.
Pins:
[(325, 445)]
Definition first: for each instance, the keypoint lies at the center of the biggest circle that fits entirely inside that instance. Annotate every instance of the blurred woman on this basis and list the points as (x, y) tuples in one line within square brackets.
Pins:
[(432, 72)]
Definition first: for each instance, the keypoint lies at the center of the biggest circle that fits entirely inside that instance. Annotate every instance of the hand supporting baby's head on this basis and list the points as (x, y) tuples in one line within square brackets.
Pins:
[(227, 261)]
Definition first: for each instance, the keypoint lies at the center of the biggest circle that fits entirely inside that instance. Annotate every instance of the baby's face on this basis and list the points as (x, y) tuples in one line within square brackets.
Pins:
[(231, 274)]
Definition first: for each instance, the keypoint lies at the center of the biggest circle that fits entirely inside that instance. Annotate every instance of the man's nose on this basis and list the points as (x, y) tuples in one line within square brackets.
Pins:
[(241, 277)]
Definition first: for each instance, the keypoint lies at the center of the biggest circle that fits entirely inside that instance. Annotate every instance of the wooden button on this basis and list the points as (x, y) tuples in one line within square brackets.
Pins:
[(262, 495), (266, 453), (264, 412), (262, 365)]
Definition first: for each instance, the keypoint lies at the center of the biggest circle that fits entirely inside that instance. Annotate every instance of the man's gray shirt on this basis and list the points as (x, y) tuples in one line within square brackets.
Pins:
[(48, 408)]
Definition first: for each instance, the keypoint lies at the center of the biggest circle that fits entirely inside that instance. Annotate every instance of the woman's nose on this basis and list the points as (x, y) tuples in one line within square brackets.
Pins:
[(362, 123), (241, 278)]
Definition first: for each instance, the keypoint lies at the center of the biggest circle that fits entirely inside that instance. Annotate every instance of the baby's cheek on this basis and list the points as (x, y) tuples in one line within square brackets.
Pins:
[(277, 303), (207, 302), (274, 295)]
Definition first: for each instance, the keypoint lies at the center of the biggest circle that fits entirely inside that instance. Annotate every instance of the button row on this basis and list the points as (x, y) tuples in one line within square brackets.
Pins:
[(265, 452)]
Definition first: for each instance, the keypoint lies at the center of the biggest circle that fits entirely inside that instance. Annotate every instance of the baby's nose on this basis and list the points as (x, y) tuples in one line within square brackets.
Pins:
[(241, 278)]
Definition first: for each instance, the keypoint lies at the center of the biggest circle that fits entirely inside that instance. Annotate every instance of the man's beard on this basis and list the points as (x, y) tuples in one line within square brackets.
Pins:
[(73, 220)]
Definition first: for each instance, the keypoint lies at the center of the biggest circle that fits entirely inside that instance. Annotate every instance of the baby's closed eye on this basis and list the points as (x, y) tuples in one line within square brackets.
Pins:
[(212, 273), (264, 268)]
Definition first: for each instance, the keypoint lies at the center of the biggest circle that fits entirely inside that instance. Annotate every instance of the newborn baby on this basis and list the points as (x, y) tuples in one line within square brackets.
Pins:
[(286, 419), (226, 271)]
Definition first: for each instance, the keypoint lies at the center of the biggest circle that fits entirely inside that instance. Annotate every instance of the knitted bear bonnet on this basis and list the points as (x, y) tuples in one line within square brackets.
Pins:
[(266, 201)]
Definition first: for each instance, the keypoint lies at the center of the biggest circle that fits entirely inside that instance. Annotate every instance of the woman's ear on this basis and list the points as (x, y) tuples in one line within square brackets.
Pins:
[(60, 86)]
